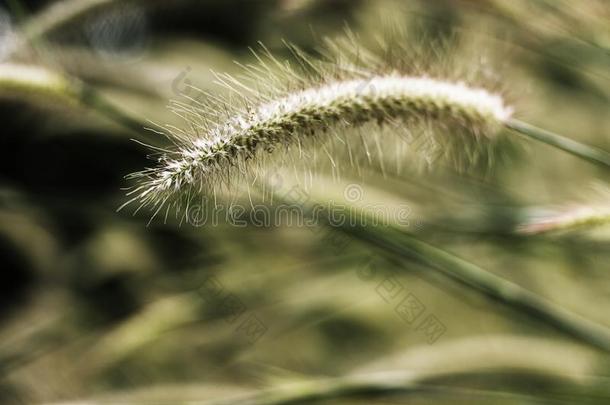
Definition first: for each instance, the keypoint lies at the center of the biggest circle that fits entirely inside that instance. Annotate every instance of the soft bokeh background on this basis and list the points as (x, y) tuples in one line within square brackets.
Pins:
[(98, 306)]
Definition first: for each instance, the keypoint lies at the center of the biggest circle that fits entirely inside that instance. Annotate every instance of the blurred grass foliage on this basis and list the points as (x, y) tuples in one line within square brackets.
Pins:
[(98, 306)]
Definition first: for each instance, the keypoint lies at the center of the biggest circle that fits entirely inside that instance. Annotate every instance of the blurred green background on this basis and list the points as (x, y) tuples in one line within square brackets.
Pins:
[(99, 305)]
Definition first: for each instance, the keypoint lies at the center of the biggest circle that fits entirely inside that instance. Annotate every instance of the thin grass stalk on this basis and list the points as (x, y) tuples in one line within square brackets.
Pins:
[(26, 81), (405, 246), (578, 149), (94, 100), (342, 388), (426, 368)]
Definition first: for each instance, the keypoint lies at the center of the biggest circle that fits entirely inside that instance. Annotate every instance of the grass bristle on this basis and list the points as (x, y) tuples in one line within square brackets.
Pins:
[(353, 103)]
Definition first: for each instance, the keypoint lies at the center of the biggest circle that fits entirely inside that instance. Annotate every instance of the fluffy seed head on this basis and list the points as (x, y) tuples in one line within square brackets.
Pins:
[(311, 111)]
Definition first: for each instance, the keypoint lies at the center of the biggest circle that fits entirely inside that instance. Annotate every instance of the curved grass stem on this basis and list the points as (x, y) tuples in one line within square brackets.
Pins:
[(405, 246), (578, 149), (38, 83), (426, 370), (343, 388), (92, 99)]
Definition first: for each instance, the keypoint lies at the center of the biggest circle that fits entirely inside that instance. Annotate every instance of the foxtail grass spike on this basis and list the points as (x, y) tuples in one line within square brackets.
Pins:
[(276, 108), (312, 112)]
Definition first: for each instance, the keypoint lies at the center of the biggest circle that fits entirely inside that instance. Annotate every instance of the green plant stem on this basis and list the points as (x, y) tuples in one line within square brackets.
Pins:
[(321, 390), (589, 153), (92, 99), (41, 84), (378, 384), (403, 245)]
